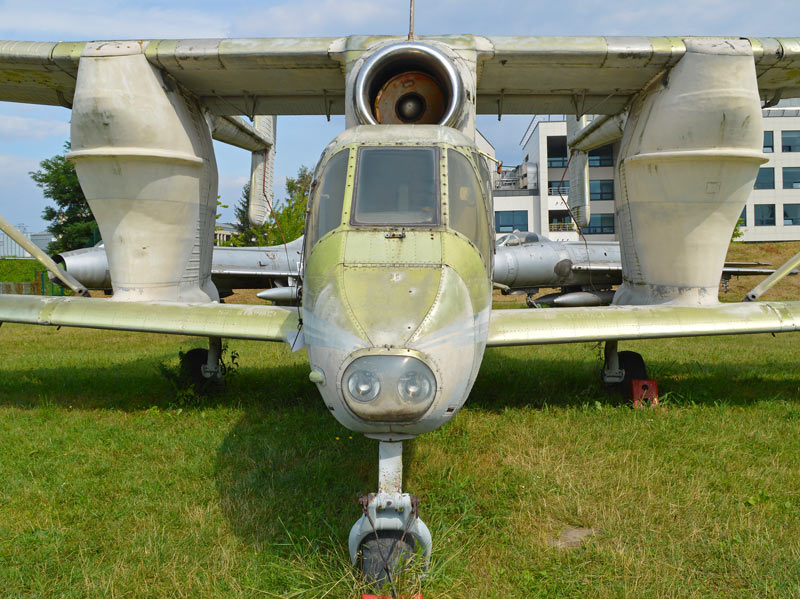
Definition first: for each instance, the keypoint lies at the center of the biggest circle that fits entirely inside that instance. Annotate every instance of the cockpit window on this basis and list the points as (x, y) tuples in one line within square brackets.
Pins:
[(466, 207), (328, 197), (396, 186), (484, 171)]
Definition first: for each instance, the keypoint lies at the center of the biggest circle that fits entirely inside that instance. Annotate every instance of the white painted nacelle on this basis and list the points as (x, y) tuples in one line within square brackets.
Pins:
[(144, 158), (688, 160)]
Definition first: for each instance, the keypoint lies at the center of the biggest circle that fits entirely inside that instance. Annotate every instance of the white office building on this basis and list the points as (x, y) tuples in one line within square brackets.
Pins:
[(773, 210), (532, 196)]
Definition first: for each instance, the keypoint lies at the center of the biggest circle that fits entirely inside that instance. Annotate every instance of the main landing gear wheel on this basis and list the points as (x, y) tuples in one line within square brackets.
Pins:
[(390, 548), (633, 365), (202, 368), (192, 363), (621, 368)]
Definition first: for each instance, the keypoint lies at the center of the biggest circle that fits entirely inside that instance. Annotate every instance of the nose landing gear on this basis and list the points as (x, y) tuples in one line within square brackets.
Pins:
[(389, 535)]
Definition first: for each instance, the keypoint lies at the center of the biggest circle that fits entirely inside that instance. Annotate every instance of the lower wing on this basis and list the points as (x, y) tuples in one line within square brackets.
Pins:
[(571, 325), (263, 323)]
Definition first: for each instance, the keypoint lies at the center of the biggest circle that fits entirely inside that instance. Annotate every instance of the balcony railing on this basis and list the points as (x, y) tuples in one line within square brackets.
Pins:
[(560, 227), (554, 191)]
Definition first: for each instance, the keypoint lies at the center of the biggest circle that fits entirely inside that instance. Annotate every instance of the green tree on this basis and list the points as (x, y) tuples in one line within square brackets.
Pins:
[(71, 221), (288, 215), (240, 210)]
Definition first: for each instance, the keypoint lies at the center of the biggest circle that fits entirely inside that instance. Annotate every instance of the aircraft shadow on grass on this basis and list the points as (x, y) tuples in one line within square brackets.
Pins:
[(505, 380), (282, 447), (286, 443)]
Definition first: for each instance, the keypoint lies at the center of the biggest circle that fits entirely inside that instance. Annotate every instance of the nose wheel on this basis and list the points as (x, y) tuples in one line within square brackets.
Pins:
[(389, 537)]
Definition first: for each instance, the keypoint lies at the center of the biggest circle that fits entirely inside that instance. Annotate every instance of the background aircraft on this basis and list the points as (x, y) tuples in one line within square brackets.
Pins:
[(584, 272), (271, 268), (397, 257)]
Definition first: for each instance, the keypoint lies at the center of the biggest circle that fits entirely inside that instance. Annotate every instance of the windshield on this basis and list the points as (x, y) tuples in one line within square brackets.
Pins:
[(397, 186)]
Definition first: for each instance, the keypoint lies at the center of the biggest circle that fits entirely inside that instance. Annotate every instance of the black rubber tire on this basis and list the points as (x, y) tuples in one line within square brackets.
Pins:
[(191, 363), (371, 563), (633, 365)]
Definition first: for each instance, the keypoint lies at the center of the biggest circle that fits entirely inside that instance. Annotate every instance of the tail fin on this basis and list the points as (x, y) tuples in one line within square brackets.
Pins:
[(262, 169)]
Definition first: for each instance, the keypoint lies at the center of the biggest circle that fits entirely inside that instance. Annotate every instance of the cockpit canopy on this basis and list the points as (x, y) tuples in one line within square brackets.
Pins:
[(403, 186)]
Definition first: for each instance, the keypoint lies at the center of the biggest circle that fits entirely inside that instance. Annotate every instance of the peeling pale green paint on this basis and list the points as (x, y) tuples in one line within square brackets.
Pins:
[(460, 255), (389, 303)]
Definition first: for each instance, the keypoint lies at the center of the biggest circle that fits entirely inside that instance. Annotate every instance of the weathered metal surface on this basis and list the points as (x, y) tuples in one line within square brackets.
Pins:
[(262, 172), (431, 288), (306, 75), (263, 323), (390, 467), (149, 176), (571, 325), (686, 165)]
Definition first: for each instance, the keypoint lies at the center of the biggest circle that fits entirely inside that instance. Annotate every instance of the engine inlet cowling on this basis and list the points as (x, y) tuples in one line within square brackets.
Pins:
[(409, 83)]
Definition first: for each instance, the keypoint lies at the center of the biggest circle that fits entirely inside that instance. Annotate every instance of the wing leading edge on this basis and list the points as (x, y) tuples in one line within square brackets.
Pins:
[(261, 323), (573, 325)]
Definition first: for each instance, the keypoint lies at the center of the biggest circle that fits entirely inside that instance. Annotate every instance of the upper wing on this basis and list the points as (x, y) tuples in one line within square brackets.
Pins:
[(565, 325), (231, 76), (264, 323), (599, 75), (523, 75)]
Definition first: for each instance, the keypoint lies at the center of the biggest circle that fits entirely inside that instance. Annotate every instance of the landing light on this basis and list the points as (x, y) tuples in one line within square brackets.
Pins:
[(363, 385), (388, 388)]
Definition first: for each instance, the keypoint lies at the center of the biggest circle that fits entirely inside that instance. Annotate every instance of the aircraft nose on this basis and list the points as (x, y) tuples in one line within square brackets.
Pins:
[(389, 303)]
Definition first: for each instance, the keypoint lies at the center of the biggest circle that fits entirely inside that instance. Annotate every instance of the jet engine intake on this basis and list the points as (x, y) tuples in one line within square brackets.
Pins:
[(409, 83)]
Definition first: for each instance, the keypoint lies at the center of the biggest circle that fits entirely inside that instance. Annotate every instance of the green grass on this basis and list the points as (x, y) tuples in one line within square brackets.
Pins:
[(108, 488), (18, 271)]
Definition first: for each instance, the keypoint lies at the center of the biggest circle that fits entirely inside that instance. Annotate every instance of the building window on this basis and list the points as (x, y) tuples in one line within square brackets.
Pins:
[(764, 215), (506, 221), (602, 156), (743, 218), (791, 177), (602, 189), (556, 187), (791, 214), (600, 224), (769, 146), (790, 141), (765, 178), (557, 151)]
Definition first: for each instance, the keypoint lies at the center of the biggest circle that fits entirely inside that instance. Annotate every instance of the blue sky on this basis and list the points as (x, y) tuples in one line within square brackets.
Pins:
[(29, 134)]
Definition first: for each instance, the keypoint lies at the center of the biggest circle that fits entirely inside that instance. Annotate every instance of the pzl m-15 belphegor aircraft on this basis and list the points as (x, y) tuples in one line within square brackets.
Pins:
[(397, 263)]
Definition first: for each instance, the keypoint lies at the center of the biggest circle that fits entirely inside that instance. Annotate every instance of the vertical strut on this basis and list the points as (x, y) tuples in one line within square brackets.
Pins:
[(390, 467)]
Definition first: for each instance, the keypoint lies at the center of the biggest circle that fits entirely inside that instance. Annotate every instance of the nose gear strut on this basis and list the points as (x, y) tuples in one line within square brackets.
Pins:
[(385, 539)]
